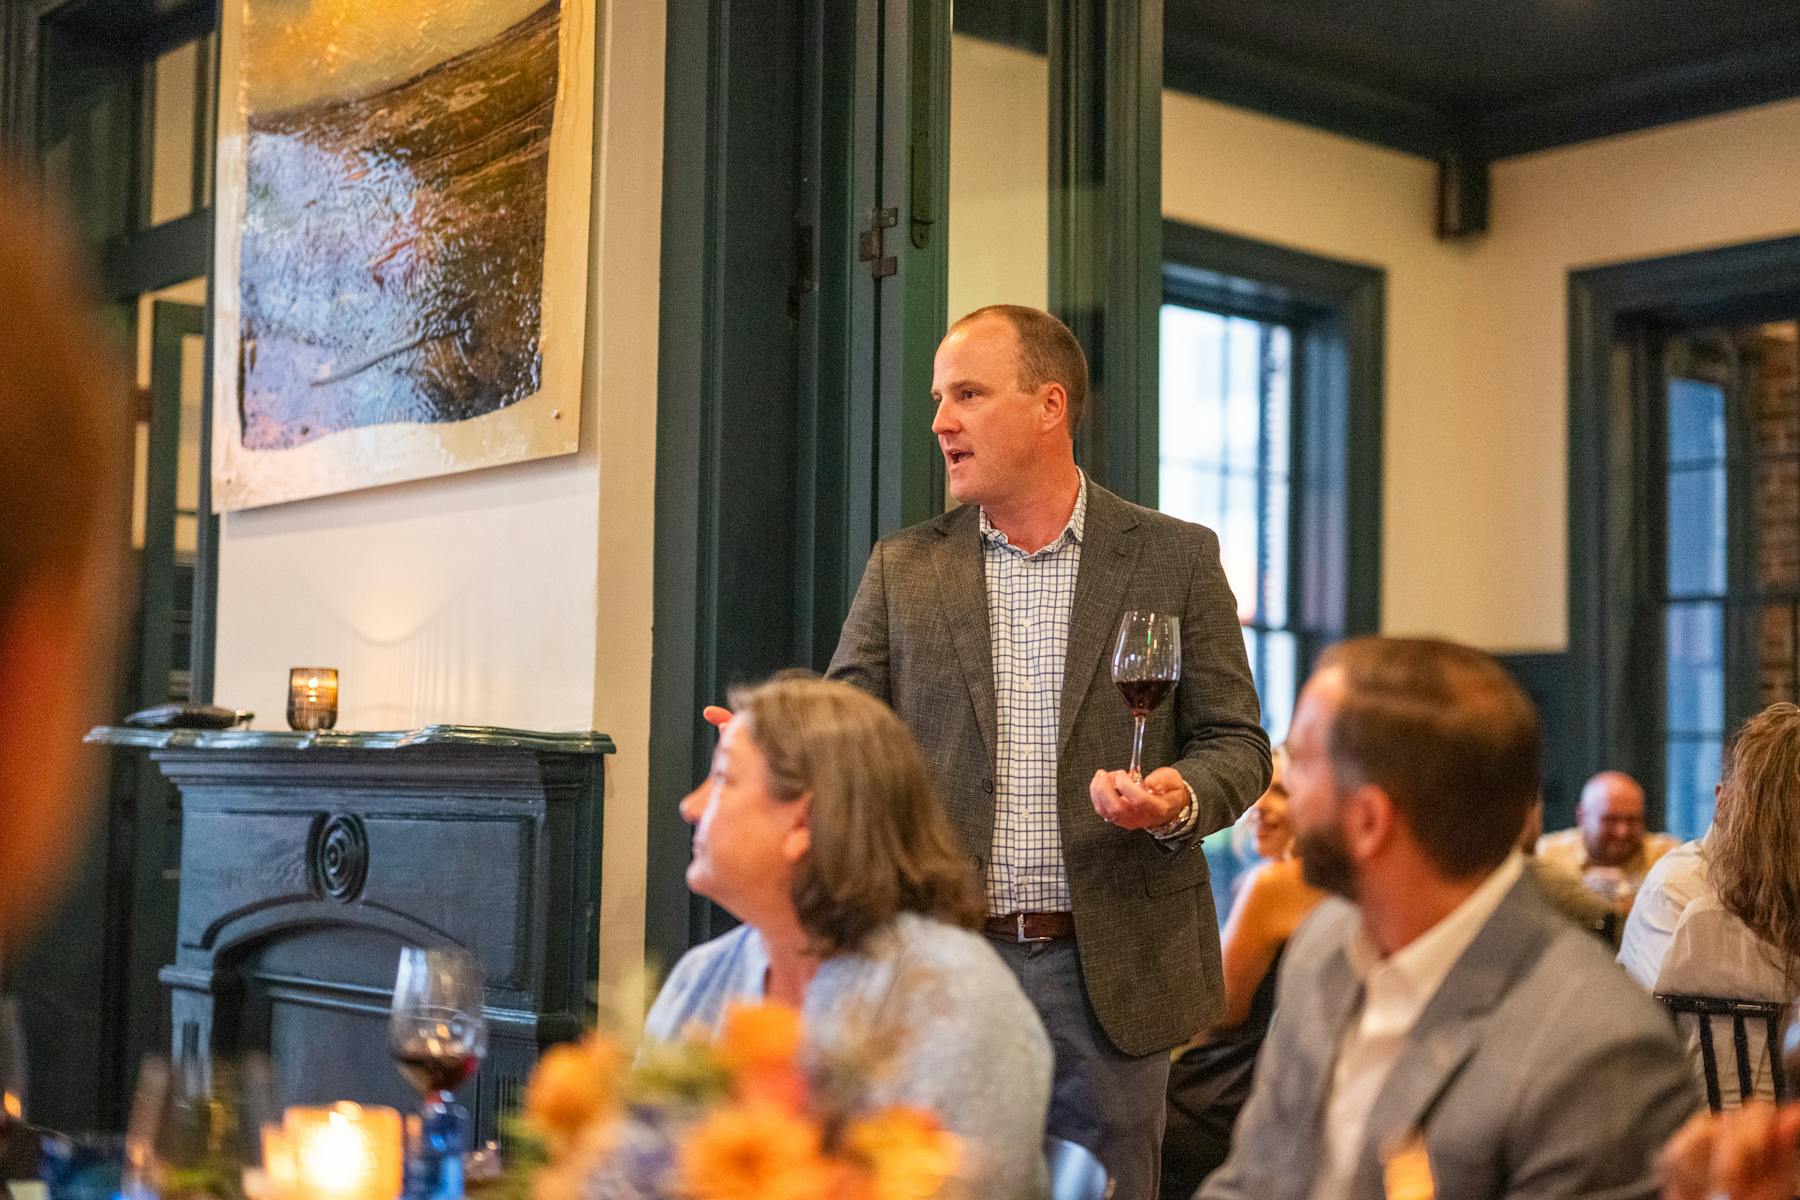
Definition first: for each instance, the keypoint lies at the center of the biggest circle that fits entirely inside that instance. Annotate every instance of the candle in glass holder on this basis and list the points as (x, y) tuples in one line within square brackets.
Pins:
[(275, 1180), (345, 1152), (312, 697)]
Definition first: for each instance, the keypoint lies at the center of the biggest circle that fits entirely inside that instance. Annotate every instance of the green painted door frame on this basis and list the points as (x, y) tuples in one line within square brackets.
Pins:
[(1106, 70), (800, 314)]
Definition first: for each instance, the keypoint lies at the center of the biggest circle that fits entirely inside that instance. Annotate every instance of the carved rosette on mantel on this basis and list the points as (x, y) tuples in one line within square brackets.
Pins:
[(309, 859)]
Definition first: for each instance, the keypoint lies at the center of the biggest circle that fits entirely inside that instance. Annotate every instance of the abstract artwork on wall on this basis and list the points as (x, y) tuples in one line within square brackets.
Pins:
[(401, 254)]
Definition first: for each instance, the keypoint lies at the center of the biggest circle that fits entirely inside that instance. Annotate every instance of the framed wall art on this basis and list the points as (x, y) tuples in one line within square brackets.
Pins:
[(402, 240)]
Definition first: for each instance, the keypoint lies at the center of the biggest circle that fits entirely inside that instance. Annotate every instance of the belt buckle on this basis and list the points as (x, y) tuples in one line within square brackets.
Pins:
[(1026, 941)]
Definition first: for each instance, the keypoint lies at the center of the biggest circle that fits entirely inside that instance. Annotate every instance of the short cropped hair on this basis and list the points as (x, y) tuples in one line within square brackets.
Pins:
[(1048, 353), (880, 843), (1448, 735)]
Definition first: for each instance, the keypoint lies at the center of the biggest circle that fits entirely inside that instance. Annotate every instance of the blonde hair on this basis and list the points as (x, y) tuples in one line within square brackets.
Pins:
[(880, 842), (1753, 851)]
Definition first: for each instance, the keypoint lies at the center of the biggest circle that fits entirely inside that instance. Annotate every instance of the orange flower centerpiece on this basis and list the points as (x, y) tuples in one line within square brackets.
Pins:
[(732, 1119)]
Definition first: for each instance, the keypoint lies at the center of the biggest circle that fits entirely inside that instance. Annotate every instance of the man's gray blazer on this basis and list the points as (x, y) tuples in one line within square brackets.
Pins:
[(917, 637), (1538, 1070)]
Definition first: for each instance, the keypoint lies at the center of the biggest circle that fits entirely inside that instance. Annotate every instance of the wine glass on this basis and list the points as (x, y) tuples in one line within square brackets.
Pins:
[(1146, 665), (437, 1036)]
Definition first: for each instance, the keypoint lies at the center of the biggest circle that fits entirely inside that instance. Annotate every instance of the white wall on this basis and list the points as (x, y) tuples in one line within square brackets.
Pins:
[(999, 176), (515, 596), (1683, 187), (1474, 539)]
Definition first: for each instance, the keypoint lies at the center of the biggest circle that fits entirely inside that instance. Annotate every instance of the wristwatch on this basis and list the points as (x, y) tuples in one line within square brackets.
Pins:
[(1182, 822)]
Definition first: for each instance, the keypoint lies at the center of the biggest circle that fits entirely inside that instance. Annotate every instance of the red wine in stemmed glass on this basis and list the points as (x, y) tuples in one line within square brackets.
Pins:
[(437, 1034), (1146, 665), (431, 1069)]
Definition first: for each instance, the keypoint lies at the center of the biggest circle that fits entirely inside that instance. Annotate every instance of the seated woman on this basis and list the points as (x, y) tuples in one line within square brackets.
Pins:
[(1739, 938), (1210, 1080), (819, 830)]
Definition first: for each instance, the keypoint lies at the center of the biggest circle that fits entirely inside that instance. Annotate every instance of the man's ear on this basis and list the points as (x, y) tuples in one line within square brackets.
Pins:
[(1371, 821), (1053, 405)]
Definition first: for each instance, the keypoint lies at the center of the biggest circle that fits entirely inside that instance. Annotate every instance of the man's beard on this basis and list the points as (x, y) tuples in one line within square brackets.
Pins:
[(1325, 863)]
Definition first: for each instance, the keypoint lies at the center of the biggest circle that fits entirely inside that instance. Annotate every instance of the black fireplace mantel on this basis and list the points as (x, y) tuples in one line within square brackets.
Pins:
[(309, 859)]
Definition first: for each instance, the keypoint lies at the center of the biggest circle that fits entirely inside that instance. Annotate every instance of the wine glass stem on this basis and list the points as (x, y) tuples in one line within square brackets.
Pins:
[(1138, 721)]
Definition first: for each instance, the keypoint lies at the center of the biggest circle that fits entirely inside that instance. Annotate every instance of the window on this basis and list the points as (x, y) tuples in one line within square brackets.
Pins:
[(1225, 425), (1731, 594), (1268, 432), (1694, 608)]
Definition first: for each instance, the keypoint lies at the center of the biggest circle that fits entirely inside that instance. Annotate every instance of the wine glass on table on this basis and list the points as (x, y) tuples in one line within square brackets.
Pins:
[(437, 1036), (1146, 666)]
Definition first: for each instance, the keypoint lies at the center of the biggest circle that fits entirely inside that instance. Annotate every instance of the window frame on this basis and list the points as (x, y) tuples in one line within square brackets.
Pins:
[(1336, 310), (1618, 521)]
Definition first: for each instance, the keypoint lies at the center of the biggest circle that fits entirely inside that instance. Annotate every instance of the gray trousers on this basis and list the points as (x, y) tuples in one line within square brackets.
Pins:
[(1112, 1103)]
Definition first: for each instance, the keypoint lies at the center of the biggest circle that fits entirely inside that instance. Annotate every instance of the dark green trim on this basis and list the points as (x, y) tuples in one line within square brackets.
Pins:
[(170, 325), (1247, 78), (1200, 63), (1105, 66), (1340, 309), (1545, 678), (157, 257), (747, 508), (202, 651), (685, 584), (1760, 74), (1613, 309), (1236, 75), (924, 260)]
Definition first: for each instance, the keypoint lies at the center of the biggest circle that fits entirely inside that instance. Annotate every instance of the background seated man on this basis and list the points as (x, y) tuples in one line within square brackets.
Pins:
[(1608, 848), (1442, 1030), (1563, 890)]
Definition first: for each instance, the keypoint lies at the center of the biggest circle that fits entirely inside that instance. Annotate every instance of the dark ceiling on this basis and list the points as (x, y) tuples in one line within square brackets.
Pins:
[(1488, 78)]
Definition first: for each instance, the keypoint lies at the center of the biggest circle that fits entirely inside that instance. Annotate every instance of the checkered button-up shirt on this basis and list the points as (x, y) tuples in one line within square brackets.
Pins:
[(1029, 599)]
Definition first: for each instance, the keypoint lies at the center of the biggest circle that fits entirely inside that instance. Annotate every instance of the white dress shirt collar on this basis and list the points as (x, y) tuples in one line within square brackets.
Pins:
[(1071, 532), (1421, 965), (1396, 991)]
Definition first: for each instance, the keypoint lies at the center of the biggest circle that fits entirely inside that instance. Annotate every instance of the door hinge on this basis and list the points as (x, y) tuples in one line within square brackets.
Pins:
[(803, 270), (869, 247)]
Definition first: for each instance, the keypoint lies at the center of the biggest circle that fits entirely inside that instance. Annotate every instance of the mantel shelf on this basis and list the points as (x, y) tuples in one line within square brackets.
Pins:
[(473, 736)]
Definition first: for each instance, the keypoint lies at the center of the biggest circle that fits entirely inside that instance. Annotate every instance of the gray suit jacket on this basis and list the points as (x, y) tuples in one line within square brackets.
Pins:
[(917, 637), (1538, 1070)]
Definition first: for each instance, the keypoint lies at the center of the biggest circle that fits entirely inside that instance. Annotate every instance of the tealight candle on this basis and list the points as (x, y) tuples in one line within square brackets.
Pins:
[(276, 1181), (345, 1152), (312, 697)]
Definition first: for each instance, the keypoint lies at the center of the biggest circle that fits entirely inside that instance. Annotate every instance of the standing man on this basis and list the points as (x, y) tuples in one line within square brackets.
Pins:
[(1442, 1030), (990, 630)]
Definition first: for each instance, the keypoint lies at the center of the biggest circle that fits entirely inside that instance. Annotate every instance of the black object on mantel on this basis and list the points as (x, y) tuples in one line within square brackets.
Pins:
[(309, 859)]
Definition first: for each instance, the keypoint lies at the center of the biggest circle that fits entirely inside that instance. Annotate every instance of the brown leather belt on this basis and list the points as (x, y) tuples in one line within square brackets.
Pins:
[(1031, 926)]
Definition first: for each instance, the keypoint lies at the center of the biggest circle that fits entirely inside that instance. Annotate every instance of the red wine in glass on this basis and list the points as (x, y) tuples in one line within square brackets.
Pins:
[(1143, 695), (431, 1068), (1146, 665)]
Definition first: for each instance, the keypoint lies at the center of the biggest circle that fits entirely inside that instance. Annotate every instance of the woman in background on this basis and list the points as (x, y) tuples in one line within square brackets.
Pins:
[(1209, 1081), (1739, 938)]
